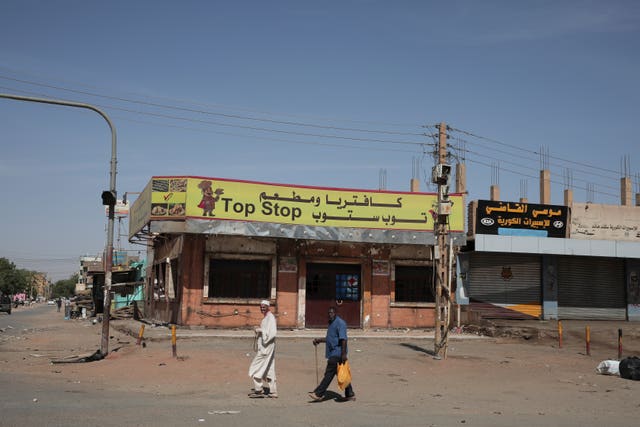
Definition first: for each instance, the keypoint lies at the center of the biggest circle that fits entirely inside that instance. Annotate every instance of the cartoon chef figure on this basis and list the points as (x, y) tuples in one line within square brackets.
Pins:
[(209, 197)]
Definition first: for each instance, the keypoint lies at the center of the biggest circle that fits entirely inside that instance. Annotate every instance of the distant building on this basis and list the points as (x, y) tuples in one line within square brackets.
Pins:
[(39, 286), (89, 265), (127, 279)]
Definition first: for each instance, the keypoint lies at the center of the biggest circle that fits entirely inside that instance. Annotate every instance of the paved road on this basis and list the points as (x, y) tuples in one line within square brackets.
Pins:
[(484, 382)]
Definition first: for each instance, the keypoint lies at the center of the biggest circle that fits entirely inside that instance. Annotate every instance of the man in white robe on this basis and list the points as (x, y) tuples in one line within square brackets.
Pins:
[(263, 366)]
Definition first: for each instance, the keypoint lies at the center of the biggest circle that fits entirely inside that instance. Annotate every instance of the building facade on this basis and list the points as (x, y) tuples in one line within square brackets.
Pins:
[(216, 247), (552, 262)]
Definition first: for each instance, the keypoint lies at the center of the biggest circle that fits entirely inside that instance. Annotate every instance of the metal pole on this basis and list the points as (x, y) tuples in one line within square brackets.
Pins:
[(441, 258), (588, 339), (174, 348), (559, 333), (140, 334), (104, 344), (619, 344)]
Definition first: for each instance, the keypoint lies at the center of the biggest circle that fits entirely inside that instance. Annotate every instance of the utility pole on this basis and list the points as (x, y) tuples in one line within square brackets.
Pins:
[(108, 199), (441, 252)]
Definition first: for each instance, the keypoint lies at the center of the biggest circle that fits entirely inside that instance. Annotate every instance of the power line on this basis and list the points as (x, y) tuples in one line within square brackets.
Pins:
[(535, 177), (255, 128), (287, 141), (206, 112), (590, 172), (227, 107), (531, 151), (282, 122), (527, 167), (415, 144)]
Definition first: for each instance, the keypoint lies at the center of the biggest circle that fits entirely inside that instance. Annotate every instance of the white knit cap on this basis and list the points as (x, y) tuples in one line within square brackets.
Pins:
[(264, 302)]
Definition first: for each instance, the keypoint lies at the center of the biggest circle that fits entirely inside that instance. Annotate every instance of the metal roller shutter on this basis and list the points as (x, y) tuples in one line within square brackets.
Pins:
[(505, 285), (591, 288)]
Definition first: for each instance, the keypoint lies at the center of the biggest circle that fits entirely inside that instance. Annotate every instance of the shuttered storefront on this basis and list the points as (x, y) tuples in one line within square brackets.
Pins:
[(505, 285), (591, 288)]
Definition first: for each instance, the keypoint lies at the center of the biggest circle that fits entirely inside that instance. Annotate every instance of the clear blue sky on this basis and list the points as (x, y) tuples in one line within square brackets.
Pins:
[(299, 92)]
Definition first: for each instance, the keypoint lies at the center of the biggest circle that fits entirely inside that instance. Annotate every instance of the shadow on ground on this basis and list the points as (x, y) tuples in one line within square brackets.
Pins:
[(418, 348)]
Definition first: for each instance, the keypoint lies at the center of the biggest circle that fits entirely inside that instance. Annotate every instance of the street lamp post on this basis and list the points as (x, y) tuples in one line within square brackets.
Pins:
[(108, 197)]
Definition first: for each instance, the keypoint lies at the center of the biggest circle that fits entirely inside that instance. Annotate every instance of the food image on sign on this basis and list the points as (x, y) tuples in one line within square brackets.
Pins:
[(159, 209)]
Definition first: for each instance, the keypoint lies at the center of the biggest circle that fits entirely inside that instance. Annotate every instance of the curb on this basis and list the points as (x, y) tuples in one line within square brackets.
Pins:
[(158, 333)]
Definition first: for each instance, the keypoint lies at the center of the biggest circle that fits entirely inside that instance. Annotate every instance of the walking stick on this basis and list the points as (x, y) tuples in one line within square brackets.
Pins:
[(317, 377)]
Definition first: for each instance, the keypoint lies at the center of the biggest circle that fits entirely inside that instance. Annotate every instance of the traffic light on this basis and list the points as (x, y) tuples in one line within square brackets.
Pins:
[(109, 198)]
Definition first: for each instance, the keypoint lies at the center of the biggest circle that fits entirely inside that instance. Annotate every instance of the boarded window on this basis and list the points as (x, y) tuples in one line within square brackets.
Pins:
[(239, 278), (414, 284)]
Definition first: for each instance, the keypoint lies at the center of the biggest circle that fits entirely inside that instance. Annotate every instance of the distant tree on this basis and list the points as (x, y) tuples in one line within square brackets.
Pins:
[(66, 287), (12, 280), (27, 278)]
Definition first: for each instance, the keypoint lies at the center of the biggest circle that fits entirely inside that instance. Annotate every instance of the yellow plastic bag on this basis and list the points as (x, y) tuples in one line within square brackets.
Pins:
[(344, 375)]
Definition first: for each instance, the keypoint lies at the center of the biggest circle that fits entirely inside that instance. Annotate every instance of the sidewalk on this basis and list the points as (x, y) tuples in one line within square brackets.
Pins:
[(155, 333), (525, 329)]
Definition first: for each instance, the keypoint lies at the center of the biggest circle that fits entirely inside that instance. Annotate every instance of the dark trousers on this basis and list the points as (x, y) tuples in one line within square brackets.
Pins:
[(329, 373)]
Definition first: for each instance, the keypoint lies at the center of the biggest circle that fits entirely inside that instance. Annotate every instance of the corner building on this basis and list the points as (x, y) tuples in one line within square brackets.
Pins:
[(216, 247)]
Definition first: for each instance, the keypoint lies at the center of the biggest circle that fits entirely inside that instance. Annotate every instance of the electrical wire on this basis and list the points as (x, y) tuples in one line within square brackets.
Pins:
[(206, 112), (287, 141), (282, 122), (414, 144), (227, 107), (254, 128), (531, 151), (589, 172), (529, 168), (535, 177)]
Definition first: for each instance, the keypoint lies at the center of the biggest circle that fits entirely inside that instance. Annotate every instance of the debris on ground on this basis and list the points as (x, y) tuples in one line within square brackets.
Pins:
[(126, 312), (608, 367), (630, 368), (81, 359), (491, 329)]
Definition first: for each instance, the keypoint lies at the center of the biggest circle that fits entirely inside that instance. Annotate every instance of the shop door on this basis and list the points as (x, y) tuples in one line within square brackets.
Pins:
[(591, 288), (505, 285), (336, 285)]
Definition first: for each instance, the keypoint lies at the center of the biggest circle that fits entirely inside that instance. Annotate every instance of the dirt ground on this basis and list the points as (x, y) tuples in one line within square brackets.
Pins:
[(519, 376)]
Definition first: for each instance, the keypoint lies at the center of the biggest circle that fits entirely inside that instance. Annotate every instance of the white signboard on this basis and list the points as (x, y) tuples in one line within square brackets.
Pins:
[(605, 222), (121, 209)]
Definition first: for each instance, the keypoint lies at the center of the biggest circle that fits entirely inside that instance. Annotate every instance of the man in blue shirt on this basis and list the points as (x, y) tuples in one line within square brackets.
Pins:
[(335, 352)]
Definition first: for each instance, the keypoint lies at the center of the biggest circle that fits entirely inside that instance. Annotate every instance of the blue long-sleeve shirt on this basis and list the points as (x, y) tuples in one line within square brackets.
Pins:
[(336, 331)]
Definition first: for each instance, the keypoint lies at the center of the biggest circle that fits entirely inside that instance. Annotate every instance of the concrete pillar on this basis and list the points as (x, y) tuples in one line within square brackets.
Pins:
[(549, 287), (568, 202), (545, 187), (625, 191), (461, 178), (568, 197), (415, 185), (495, 193), (472, 213)]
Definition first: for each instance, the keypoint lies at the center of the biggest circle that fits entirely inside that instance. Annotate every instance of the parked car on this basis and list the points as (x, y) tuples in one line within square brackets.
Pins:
[(5, 304)]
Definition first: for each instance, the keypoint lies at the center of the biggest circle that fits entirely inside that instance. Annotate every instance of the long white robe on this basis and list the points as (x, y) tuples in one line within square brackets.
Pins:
[(263, 366)]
